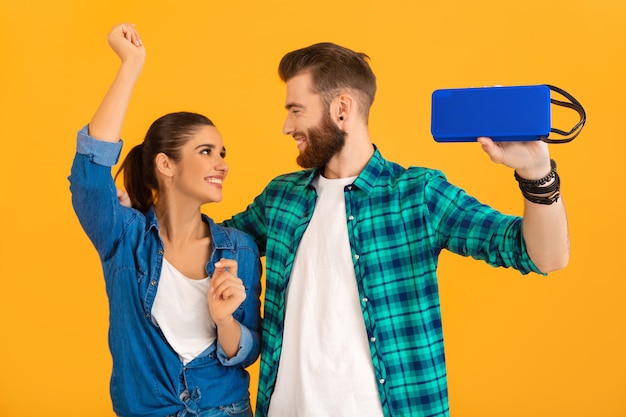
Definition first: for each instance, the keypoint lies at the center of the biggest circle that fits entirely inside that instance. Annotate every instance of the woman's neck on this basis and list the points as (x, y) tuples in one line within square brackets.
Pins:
[(180, 226), (186, 239)]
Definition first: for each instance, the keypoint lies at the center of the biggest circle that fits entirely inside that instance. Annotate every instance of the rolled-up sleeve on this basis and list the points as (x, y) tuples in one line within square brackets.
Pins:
[(100, 152), (245, 347)]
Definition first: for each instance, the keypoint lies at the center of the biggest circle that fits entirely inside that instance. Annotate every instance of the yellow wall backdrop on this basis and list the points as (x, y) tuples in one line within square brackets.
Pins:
[(516, 345)]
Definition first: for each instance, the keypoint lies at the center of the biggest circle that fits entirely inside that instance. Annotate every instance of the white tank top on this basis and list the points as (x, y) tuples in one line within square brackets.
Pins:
[(180, 309), (325, 367)]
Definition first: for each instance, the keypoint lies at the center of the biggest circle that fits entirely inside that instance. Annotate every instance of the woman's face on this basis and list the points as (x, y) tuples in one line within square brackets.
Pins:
[(199, 173)]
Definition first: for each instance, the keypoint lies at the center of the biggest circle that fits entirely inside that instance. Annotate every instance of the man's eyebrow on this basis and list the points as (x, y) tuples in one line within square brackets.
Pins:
[(290, 106)]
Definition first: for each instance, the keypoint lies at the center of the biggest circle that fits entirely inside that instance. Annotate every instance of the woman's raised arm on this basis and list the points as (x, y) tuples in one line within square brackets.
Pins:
[(106, 123)]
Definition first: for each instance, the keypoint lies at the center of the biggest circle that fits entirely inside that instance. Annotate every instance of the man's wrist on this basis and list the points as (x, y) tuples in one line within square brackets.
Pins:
[(535, 173), (545, 190)]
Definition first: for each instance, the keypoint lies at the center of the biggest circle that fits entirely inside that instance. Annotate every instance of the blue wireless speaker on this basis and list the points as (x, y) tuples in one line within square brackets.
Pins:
[(520, 113)]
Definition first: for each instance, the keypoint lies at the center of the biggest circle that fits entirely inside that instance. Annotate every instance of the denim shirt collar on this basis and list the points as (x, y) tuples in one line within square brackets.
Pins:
[(220, 239)]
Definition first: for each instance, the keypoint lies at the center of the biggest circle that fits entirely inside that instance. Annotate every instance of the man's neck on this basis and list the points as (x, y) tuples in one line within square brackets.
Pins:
[(350, 161)]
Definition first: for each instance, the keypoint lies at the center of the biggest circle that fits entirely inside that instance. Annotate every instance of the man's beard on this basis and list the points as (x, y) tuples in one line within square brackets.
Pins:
[(323, 142)]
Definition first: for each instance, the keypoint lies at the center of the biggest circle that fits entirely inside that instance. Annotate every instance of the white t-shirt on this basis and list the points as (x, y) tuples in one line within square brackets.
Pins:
[(325, 367), (180, 309)]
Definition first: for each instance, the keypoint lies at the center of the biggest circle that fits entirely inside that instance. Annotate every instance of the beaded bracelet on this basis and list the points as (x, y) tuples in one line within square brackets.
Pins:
[(536, 192)]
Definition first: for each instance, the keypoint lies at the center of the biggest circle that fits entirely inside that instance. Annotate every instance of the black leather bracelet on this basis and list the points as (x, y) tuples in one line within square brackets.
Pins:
[(537, 192), (540, 181), (545, 189)]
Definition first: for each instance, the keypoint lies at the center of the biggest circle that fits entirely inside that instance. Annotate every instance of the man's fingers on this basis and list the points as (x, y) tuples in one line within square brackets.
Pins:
[(123, 198)]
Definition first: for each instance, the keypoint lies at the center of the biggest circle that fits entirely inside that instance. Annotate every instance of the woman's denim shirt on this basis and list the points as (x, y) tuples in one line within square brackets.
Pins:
[(148, 378)]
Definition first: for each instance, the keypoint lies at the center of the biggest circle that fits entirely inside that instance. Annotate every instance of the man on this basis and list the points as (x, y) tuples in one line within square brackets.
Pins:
[(352, 323)]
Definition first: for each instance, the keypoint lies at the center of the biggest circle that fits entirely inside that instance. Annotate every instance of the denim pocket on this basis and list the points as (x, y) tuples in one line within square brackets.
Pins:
[(240, 409)]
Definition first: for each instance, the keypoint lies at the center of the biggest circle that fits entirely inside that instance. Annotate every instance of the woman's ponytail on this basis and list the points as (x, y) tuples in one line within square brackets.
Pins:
[(135, 174)]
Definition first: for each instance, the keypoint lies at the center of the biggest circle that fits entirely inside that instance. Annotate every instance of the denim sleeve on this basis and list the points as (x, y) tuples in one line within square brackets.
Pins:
[(245, 347), (469, 228), (94, 195), (99, 152)]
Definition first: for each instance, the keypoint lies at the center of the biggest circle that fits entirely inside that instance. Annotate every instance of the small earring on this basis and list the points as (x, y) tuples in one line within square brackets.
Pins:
[(340, 117)]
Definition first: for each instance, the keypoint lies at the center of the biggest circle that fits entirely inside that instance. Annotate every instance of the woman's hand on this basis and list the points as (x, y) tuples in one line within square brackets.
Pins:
[(126, 42), (226, 292)]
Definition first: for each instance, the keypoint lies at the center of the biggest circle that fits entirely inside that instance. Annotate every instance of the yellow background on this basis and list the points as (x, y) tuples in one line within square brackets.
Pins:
[(516, 345)]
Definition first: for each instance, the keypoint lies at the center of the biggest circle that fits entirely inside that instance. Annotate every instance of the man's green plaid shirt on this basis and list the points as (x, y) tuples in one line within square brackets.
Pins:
[(399, 220)]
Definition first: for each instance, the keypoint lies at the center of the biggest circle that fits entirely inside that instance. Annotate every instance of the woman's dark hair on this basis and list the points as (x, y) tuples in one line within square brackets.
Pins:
[(166, 135), (333, 68)]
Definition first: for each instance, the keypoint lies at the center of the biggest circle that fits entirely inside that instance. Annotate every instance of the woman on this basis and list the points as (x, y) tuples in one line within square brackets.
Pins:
[(183, 292)]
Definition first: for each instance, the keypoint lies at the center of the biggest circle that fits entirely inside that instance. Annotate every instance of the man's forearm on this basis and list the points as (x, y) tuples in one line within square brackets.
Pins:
[(546, 234)]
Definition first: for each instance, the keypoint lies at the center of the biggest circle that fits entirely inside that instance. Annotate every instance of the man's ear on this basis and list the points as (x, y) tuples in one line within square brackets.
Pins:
[(343, 107), (164, 165)]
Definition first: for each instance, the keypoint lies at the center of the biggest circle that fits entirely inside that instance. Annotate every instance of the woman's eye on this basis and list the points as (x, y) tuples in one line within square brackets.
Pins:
[(206, 151)]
